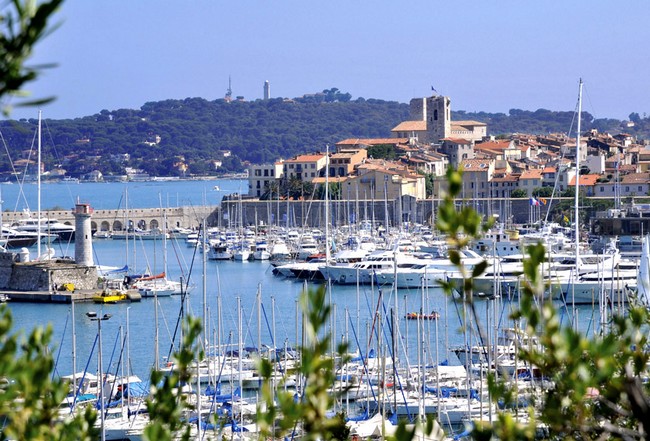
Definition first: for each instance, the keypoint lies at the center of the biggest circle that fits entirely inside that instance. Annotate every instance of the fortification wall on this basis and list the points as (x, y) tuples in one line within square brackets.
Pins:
[(45, 276)]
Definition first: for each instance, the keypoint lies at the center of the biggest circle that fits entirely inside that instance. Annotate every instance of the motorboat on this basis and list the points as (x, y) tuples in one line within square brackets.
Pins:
[(114, 292), (50, 226), (220, 251), (20, 239), (261, 251), (433, 315)]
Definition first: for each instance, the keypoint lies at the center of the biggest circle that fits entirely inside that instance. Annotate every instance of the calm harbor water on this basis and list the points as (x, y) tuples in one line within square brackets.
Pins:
[(354, 308), (230, 280)]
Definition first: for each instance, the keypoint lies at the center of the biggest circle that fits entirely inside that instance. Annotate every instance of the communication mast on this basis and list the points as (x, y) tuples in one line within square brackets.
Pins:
[(228, 96)]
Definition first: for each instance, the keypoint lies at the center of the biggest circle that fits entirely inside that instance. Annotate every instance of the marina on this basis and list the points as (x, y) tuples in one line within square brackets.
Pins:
[(247, 304)]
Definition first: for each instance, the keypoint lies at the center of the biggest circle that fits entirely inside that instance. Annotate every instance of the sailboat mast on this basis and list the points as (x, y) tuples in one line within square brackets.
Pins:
[(327, 200), (577, 188), (38, 187)]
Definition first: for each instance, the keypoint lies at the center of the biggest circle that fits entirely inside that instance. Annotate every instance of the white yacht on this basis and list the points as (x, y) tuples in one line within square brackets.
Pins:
[(261, 251), (47, 226), (220, 251), (365, 270)]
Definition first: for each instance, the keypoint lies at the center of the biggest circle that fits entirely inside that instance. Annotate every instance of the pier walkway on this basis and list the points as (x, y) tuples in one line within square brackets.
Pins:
[(78, 296)]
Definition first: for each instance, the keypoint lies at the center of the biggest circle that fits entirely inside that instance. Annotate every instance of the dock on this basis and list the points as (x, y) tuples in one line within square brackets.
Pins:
[(76, 296)]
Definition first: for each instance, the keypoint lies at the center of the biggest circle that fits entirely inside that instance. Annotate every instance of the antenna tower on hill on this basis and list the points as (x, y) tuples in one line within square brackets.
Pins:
[(228, 96)]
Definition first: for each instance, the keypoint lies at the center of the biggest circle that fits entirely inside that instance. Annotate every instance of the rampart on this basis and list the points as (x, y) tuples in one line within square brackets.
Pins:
[(118, 220)]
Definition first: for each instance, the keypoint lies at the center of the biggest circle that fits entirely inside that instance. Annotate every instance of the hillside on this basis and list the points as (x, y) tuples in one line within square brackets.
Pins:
[(162, 135)]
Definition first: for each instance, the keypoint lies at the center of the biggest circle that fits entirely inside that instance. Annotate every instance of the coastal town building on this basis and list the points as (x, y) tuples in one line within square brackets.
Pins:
[(364, 143), (503, 186), (261, 177), (632, 184), (343, 163), (477, 174), (587, 183), (430, 122), (378, 179), (530, 180), (305, 167), (493, 168), (457, 150)]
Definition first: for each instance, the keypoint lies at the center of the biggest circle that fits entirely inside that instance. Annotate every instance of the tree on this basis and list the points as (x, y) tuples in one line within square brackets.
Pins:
[(29, 398), (24, 25), (519, 193), (309, 412), (382, 151), (545, 192)]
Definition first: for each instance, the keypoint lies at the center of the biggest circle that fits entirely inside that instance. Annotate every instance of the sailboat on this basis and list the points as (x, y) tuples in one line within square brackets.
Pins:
[(46, 229), (572, 284)]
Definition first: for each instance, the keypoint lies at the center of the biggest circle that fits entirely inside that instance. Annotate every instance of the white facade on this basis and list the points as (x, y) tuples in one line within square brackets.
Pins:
[(260, 177)]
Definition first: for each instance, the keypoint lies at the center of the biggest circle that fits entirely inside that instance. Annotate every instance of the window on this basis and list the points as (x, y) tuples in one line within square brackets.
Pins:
[(627, 188), (266, 172), (602, 189), (258, 172), (435, 114), (640, 188)]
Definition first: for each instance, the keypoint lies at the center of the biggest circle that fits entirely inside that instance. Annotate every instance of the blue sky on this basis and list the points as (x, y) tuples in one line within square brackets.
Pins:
[(486, 55)]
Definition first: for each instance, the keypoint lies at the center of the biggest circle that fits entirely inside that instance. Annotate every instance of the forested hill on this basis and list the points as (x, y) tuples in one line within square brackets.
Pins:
[(193, 131)]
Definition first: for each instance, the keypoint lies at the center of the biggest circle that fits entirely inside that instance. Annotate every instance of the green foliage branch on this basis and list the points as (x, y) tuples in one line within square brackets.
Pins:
[(30, 399), (24, 23), (597, 388)]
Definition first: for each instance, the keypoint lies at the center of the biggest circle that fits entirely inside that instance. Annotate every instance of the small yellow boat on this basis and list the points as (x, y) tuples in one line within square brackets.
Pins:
[(110, 297), (113, 292)]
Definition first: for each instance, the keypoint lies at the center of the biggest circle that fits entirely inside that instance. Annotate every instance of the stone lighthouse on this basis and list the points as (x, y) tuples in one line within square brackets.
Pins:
[(83, 243)]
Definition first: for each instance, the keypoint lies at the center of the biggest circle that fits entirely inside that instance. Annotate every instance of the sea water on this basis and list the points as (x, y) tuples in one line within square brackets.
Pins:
[(357, 311)]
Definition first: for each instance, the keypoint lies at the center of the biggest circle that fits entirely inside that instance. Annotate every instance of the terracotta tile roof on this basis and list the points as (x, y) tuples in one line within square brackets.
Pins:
[(410, 126), (549, 170), (532, 174), (586, 180), (636, 178), (372, 141), (494, 145), (457, 140), (331, 179), (506, 178), (629, 168), (468, 122), (306, 158), (416, 160), (475, 164)]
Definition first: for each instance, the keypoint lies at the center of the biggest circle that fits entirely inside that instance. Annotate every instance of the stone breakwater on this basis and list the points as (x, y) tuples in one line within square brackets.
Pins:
[(44, 276), (117, 220)]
